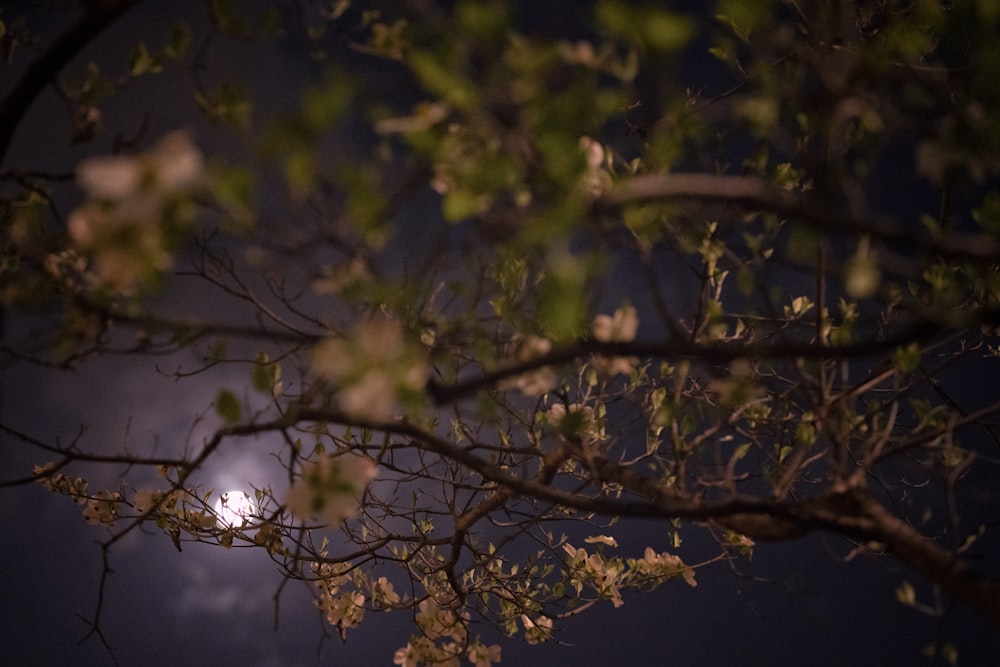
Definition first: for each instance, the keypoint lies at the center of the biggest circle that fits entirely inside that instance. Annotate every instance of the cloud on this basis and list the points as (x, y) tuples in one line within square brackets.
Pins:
[(212, 591)]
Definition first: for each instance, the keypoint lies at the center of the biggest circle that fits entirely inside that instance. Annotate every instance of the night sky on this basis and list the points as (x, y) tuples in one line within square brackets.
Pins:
[(793, 604)]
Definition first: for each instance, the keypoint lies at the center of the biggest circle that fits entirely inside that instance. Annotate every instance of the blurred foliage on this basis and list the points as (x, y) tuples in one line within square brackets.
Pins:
[(713, 267)]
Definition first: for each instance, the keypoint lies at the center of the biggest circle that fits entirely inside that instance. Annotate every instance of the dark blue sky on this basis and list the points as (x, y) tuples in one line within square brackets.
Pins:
[(798, 604)]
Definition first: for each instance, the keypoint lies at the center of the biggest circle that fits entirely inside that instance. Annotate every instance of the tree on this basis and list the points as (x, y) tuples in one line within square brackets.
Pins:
[(713, 272)]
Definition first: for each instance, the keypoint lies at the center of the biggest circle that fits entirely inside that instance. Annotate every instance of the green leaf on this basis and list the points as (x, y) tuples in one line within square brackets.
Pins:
[(741, 451), (666, 32), (229, 105), (459, 205), (861, 276), (322, 106), (657, 29), (141, 61), (300, 171), (805, 433), (442, 80), (906, 594), (486, 21), (233, 188), (178, 41), (688, 424), (217, 351), (224, 17), (264, 374), (227, 406), (907, 358), (988, 216), (950, 653), (743, 17)]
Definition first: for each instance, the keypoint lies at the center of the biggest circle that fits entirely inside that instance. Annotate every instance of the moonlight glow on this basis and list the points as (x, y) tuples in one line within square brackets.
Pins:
[(234, 508)]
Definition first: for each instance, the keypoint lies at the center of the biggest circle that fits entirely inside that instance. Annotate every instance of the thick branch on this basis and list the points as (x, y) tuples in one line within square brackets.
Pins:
[(756, 191), (857, 513), (680, 349), (854, 513), (13, 107)]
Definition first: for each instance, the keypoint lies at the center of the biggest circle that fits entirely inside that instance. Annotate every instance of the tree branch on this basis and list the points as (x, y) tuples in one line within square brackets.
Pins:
[(757, 191), (678, 349), (858, 513), (96, 17)]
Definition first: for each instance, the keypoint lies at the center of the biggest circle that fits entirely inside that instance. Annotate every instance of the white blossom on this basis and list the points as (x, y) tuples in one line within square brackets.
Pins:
[(423, 651), (606, 576), (483, 656), (408, 656), (539, 381), (129, 204), (373, 369), (620, 328), (345, 610), (102, 508), (331, 487), (596, 180), (576, 421), (383, 593), (536, 630), (146, 499), (658, 567), (606, 540), (437, 621), (113, 177), (172, 165)]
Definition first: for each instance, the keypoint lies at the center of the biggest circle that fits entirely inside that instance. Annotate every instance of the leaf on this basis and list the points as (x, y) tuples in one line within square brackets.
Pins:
[(229, 105), (233, 189), (259, 373), (141, 61), (487, 21), (799, 307), (989, 215), (688, 424), (322, 106), (805, 433), (657, 29), (906, 359), (742, 17), (442, 80), (906, 594), (300, 171), (459, 205), (950, 653), (178, 41), (224, 17), (227, 406), (861, 277), (265, 375), (217, 351)]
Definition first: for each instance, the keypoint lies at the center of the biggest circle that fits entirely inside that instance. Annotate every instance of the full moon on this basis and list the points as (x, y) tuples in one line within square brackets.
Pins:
[(234, 509)]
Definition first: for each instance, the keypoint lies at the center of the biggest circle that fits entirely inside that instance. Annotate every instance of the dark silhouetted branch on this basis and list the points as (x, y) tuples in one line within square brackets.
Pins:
[(96, 17)]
